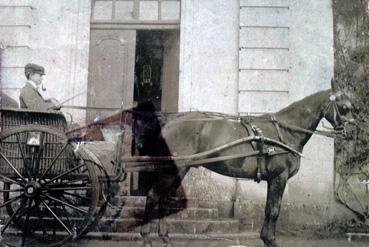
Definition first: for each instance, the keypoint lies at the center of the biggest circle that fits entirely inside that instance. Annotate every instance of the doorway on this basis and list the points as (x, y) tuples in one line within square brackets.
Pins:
[(156, 81), (157, 69), (128, 67)]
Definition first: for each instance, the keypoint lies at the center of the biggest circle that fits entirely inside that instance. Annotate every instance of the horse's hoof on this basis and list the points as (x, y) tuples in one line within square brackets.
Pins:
[(278, 244), (274, 244), (147, 244)]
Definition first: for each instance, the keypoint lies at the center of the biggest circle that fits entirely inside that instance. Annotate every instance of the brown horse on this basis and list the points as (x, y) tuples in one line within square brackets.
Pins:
[(197, 132)]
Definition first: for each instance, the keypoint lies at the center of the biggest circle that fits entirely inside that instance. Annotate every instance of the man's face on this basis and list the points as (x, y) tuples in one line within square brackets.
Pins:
[(36, 78)]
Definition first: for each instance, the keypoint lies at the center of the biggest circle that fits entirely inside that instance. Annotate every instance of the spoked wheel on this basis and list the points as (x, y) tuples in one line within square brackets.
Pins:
[(50, 195), (104, 182)]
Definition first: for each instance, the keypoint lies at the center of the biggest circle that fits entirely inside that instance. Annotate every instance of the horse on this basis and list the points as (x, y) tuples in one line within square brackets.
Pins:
[(292, 127)]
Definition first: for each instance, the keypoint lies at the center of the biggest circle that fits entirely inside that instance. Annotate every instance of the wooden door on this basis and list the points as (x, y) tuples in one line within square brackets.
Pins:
[(111, 72)]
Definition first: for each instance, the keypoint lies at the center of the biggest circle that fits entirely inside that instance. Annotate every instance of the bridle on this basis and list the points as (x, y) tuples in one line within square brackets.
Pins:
[(339, 131), (338, 118)]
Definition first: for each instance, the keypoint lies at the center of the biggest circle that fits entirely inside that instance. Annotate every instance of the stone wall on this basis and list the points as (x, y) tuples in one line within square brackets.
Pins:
[(209, 56), (15, 30), (208, 67), (60, 39), (55, 35), (209, 78)]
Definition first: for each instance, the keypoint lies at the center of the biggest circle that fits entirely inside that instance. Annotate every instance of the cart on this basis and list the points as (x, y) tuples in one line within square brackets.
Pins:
[(53, 190), (48, 193)]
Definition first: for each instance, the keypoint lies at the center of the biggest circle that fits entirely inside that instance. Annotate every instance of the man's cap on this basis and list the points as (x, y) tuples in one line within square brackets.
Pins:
[(33, 68)]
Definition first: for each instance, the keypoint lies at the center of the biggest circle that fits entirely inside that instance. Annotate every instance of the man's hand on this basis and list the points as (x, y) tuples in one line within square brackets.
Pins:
[(56, 104)]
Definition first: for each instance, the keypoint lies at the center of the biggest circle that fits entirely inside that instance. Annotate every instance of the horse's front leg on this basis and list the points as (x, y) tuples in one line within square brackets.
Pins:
[(276, 188), (157, 196), (163, 226), (151, 201)]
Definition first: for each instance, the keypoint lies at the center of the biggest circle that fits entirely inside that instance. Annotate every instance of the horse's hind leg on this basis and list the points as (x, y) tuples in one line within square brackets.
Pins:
[(276, 187), (145, 232), (157, 196), (163, 232)]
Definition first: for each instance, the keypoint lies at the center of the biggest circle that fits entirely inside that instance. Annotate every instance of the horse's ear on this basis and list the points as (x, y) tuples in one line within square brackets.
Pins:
[(349, 93), (334, 85)]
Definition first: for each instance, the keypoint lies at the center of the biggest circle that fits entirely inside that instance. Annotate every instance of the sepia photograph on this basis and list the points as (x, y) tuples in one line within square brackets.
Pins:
[(184, 123)]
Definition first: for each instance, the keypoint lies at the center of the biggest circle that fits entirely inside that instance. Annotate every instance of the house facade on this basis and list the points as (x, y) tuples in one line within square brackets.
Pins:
[(238, 57)]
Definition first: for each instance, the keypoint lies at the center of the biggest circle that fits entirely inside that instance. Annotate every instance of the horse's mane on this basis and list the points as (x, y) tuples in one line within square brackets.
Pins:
[(307, 102), (304, 104)]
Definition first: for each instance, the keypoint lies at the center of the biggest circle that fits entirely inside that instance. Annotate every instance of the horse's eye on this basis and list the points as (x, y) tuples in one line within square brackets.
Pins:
[(346, 108)]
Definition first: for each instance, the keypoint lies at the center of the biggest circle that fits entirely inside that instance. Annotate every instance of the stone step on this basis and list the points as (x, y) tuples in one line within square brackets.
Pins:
[(130, 201), (187, 213), (218, 237), (136, 236), (189, 226), (175, 202), (117, 225), (174, 226), (208, 226)]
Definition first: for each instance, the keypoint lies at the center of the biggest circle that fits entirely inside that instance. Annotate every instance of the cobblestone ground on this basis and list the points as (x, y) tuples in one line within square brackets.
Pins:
[(248, 239), (285, 241)]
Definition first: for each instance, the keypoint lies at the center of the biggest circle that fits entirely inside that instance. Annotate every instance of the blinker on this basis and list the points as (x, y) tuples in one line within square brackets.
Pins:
[(335, 96)]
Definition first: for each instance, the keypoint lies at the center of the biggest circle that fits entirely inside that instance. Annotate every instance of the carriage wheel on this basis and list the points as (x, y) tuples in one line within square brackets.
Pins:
[(50, 195), (104, 184)]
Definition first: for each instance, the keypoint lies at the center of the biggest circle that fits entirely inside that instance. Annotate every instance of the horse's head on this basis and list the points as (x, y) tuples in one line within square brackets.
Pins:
[(338, 111), (146, 129)]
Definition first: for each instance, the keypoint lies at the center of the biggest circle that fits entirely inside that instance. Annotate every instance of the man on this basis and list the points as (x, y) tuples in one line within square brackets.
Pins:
[(30, 96)]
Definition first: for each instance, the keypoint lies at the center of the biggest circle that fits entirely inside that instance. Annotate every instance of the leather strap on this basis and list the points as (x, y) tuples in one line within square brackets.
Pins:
[(276, 125), (246, 124), (260, 156)]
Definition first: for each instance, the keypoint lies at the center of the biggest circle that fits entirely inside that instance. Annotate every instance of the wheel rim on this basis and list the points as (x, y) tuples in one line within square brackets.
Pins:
[(50, 195)]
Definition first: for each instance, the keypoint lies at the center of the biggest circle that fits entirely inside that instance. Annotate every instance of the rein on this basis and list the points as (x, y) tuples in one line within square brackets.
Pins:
[(331, 133)]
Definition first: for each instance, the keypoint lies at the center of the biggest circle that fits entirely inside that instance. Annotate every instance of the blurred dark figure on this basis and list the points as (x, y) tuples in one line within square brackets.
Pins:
[(162, 187)]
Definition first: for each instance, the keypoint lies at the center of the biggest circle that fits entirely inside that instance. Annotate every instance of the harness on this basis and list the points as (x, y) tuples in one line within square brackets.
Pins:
[(263, 146), (259, 145)]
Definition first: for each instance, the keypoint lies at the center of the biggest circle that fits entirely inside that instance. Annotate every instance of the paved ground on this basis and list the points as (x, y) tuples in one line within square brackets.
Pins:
[(251, 241), (247, 239), (221, 243)]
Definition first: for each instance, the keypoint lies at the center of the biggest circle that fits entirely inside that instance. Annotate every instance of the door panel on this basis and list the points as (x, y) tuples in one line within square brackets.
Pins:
[(111, 71), (170, 77)]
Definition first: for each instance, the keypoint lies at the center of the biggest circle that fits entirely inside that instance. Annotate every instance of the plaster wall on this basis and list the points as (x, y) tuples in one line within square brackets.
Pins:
[(15, 38), (209, 56), (60, 41), (310, 69), (208, 79), (54, 35), (209, 66)]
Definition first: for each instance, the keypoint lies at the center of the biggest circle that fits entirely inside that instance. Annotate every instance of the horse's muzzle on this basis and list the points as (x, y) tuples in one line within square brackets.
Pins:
[(348, 130)]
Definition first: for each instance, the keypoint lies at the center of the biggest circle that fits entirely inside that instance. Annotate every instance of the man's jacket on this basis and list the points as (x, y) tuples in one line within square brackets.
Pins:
[(30, 98)]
